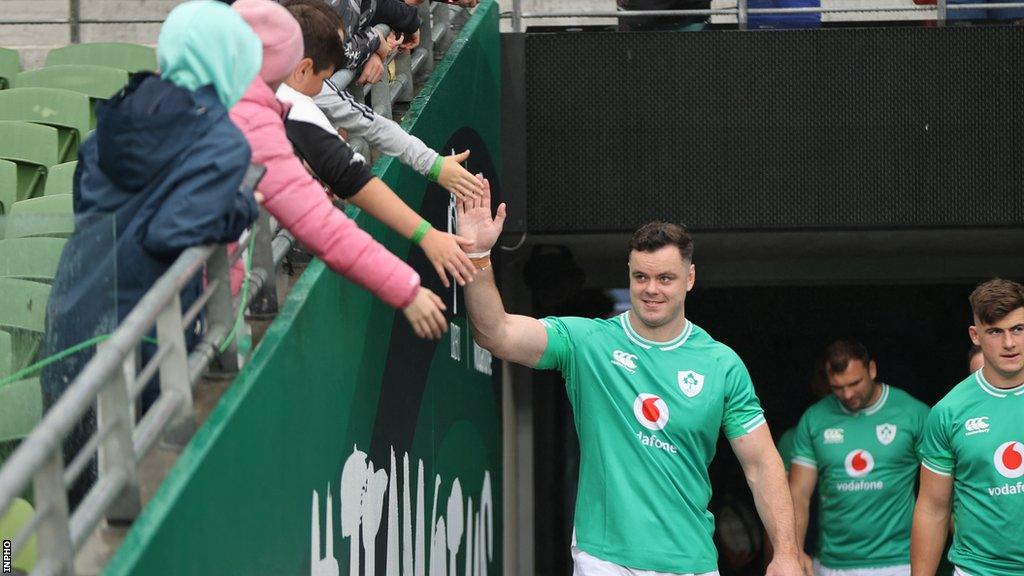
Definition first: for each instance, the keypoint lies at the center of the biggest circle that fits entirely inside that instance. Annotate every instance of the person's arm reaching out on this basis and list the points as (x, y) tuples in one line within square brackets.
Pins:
[(511, 337), (767, 480)]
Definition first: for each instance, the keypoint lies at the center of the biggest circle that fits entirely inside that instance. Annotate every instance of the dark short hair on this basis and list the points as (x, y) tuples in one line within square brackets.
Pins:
[(993, 300), (656, 235), (839, 354), (320, 27)]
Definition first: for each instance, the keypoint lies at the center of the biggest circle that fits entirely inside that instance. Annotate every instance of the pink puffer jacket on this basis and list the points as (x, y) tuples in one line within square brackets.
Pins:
[(301, 206)]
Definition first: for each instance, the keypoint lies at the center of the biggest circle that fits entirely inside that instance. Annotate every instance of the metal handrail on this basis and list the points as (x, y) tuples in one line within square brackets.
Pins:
[(111, 382), (741, 11)]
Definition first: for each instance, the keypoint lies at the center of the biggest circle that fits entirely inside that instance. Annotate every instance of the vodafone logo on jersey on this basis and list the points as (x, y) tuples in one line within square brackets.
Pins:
[(651, 411), (859, 463), (1009, 459)]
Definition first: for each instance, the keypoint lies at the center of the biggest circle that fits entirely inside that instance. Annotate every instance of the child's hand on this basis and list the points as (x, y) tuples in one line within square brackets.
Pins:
[(457, 180), (445, 252), (426, 314)]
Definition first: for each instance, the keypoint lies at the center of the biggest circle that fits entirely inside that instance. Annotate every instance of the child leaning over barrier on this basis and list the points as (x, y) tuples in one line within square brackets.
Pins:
[(161, 173), (297, 201), (334, 162), (356, 119)]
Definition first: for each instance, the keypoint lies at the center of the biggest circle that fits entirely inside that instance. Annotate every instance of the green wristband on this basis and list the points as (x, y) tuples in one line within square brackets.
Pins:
[(420, 232), (435, 170)]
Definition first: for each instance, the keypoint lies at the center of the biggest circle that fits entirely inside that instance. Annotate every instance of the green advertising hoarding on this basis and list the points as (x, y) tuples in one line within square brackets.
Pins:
[(347, 445)]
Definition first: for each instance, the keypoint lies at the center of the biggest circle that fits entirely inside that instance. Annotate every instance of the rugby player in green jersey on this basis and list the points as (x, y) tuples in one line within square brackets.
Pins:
[(972, 454), (650, 392), (858, 447)]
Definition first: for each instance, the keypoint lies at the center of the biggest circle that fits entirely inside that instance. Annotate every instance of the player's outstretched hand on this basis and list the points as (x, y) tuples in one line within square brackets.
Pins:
[(456, 179), (445, 252), (426, 315), (474, 222)]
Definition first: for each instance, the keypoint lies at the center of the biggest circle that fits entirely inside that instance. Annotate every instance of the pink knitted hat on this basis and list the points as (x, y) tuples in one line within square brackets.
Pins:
[(280, 34)]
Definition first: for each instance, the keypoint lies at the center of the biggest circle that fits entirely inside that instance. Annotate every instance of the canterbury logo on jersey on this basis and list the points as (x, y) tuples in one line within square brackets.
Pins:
[(624, 359), (976, 425), (833, 436)]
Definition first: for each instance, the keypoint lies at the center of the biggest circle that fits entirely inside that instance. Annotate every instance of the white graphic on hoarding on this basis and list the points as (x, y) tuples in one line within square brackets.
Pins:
[(362, 492)]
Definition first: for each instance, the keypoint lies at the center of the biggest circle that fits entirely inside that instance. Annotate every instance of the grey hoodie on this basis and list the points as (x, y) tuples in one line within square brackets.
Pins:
[(382, 133)]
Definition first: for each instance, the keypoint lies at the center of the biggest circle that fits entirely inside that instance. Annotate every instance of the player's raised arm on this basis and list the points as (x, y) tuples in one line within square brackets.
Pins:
[(511, 337)]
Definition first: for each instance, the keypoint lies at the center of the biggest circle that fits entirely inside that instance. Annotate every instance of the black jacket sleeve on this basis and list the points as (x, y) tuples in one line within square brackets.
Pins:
[(398, 15), (333, 161)]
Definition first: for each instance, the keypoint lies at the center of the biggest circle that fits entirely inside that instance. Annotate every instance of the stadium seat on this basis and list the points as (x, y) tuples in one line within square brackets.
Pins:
[(30, 259), (130, 57), (8, 185), (96, 82), (10, 65), (11, 522), (21, 406), (44, 216), (34, 148), (23, 316), (60, 179), (69, 112)]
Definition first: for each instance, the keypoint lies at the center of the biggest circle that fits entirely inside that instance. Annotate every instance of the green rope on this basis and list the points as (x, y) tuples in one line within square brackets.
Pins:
[(243, 303), (33, 368)]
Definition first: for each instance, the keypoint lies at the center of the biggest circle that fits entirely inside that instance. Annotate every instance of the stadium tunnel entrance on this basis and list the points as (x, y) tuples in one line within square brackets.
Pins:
[(776, 298)]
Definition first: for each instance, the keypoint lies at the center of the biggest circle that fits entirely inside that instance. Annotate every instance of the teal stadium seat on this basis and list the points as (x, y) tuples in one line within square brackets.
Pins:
[(10, 65), (30, 258), (47, 216), (96, 82), (34, 148), (126, 56), (23, 317), (69, 112), (60, 179), (11, 523), (8, 185)]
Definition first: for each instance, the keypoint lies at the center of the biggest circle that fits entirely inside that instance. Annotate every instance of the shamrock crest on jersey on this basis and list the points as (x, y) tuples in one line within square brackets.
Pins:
[(690, 382), (886, 433)]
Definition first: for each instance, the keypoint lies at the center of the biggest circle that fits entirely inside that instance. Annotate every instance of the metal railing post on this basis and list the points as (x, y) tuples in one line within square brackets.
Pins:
[(53, 538), (174, 377), (115, 451), (380, 96), (264, 303), (442, 16), (427, 37), (220, 310), (403, 73), (940, 12), (517, 15), (741, 14), (74, 21)]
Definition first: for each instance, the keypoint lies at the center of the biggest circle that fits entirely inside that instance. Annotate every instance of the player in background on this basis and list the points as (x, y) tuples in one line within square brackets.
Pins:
[(857, 445)]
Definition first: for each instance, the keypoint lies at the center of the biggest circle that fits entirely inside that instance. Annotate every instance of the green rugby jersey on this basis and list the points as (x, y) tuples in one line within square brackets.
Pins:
[(647, 415), (976, 434), (785, 447), (867, 467)]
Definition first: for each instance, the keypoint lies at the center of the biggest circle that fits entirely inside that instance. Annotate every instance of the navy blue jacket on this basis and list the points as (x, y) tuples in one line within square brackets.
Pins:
[(162, 173)]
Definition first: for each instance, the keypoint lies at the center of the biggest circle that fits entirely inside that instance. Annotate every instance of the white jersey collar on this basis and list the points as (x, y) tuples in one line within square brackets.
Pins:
[(646, 344)]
